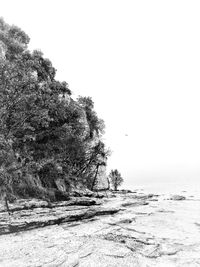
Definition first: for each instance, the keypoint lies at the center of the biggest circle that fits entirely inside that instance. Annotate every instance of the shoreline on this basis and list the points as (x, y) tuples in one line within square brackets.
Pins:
[(131, 229)]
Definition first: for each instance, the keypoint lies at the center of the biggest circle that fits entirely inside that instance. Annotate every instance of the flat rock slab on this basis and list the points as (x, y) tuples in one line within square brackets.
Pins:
[(35, 214), (27, 204), (162, 233), (177, 197)]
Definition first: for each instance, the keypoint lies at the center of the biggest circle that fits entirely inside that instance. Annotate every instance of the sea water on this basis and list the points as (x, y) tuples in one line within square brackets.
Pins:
[(191, 187)]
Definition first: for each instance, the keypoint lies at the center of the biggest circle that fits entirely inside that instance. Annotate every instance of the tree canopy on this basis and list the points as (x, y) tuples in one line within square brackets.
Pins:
[(115, 179), (48, 134)]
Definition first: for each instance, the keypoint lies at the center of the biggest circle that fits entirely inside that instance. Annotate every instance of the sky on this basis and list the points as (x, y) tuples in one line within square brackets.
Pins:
[(140, 63)]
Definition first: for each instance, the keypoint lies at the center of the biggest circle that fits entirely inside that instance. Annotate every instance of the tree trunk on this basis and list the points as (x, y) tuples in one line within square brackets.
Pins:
[(6, 204), (108, 183), (115, 186), (95, 177)]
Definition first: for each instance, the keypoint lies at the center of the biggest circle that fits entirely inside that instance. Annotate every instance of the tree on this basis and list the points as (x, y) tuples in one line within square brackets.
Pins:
[(115, 179), (13, 43), (29, 103), (47, 133)]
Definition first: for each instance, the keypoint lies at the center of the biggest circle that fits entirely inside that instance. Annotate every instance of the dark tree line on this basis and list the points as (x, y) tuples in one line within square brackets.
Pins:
[(45, 134)]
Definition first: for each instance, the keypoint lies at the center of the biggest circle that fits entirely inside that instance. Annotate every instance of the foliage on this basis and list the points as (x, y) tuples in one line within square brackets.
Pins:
[(115, 179), (49, 135)]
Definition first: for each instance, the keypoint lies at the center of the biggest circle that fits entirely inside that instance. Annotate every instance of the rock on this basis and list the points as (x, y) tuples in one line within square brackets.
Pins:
[(126, 221), (134, 204), (82, 201), (169, 237), (123, 191), (81, 192), (165, 211), (126, 191), (144, 196), (22, 220), (60, 195), (30, 204), (177, 197), (98, 195), (72, 261), (109, 194), (86, 193)]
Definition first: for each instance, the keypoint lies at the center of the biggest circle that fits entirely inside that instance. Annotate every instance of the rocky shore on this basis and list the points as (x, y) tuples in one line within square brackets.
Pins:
[(123, 229)]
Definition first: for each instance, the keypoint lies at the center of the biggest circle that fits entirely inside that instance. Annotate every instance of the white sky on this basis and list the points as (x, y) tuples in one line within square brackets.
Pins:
[(140, 62)]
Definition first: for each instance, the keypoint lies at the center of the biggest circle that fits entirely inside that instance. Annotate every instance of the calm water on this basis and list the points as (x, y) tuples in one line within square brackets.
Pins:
[(164, 187)]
